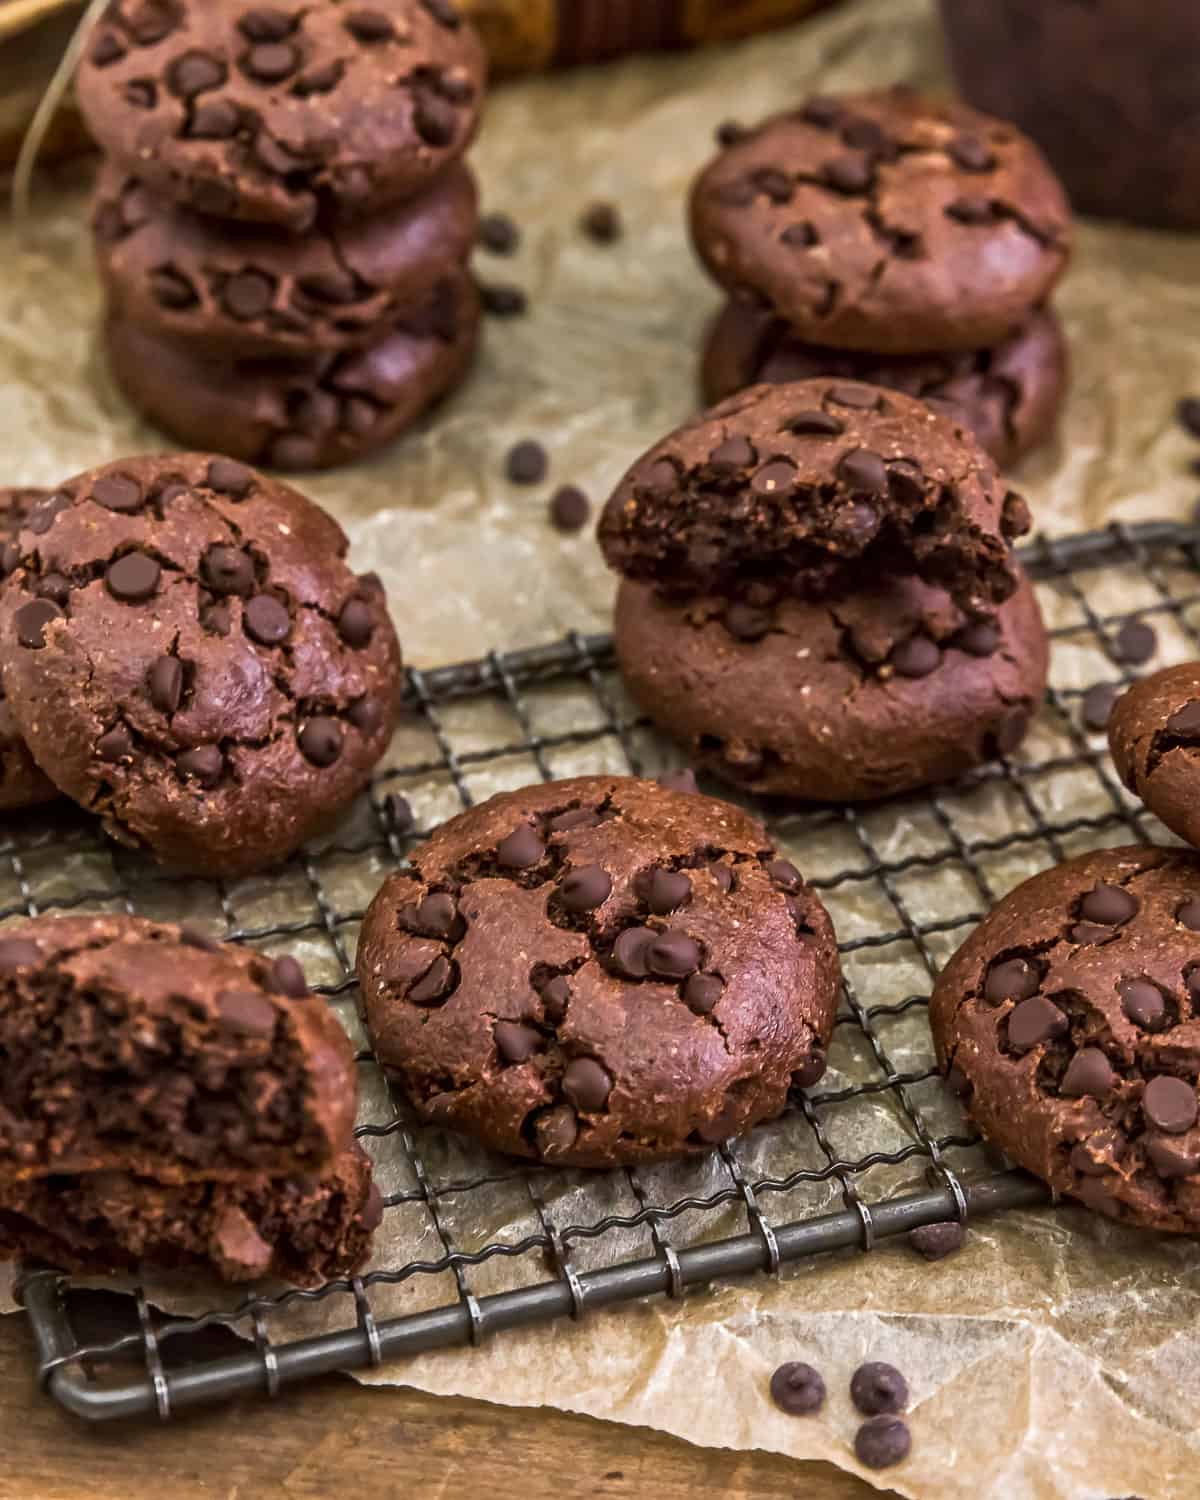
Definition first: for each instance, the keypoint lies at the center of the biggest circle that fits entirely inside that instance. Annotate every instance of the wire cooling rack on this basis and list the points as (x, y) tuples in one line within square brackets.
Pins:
[(473, 1244)]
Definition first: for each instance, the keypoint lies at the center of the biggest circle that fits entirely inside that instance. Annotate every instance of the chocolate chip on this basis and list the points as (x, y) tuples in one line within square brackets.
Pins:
[(227, 477), (971, 154), (499, 234), (107, 49), (797, 1389), (680, 781), (876, 1388), (435, 984), (1188, 413), (17, 954), (1188, 915), (801, 236), (116, 745), (10, 559), (1184, 723), (848, 174), (171, 289), (1098, 704), (516, 1043), (863, 472), (601, 222), (31, 621), (569, 509), (267, 620), (937, 1241), (1087, 934), (1035, 1021), (1171, 1160), (227, 570), (321, 741), (813, 1070), (434, 118), (247, 1012), (319, 80), (444, 13), (526, 463), (1144, 1003), (775, 478), (1136, 643), (1089, 1075), (133, 578), (555, 997), (521, 850), (815, 423), (917, 657), (287, 978), (267, 24), (56, 588), (555, 1131), (503, 301), (118, 492), (438, 916), (882, 1442), (43, 516), (585, 889), (1108, 905), (1015, 517), (575, 817), (141, 93), (398, 814), (271, 62), (745, 623), (1097, 1155), (1011, 979), (204, 764), (214, 120), (702, 992), (773, 183), (370, 26), (194, 73), (248, 295), (729, 133), (631, 952), (738, 194), (1170, 1104), (667, 891), (587, 1085), (731, 455), (825, 114), (980, 638), (366, 715), (971, 210), (673, 955)]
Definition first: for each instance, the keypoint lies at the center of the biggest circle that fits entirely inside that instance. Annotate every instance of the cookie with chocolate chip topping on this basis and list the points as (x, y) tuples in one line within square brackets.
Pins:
[(1154, 734), (844, 700), (272, 113), (886, 222), (247, 291), (1009, 397), (300, 415), (599, 971), (211, 679), (1069, 1018), (143, 1047), (811, 488), (22, 782)]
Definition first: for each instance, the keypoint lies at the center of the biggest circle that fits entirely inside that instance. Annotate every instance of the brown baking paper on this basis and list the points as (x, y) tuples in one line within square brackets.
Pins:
[(1056, 1356)]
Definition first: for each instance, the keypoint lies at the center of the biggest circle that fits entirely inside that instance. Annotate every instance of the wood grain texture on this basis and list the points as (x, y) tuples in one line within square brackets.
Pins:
[(337, 1438)]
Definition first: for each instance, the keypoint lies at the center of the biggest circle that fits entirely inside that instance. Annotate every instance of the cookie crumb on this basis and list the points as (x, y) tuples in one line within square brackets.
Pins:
[(601, 222), (936, 1241), (570, 508), (527, 462)]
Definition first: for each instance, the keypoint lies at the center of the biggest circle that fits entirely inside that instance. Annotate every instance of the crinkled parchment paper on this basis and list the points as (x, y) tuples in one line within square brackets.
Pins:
[(1056, 1356)]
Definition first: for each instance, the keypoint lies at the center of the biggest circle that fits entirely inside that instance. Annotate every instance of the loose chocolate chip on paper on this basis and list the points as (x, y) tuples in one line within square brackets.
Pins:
[(1098, 704), (882, 1442), (569, 509), (601, 222), (526, 462), (877, 1387), (503, 301), (797, 1389), (499, 234)]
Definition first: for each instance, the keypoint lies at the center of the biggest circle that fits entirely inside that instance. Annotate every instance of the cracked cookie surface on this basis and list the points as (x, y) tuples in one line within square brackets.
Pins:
[(1009, 397), (188, 656), (232, 288), (1154, 735), (22, 781), (886, 222), (863, 697), (299, 415), (599, 971), (1069, 1022), (813, 487), (271, 113), (136, 1046)]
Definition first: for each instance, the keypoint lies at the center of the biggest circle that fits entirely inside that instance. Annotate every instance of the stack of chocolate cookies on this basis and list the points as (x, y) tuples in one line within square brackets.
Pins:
[(887, 238), (820, 598), (174, 1102), (283, 220)]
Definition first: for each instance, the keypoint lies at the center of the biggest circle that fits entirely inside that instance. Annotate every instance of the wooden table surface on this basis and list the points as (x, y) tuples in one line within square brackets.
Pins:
[(336, 1438)]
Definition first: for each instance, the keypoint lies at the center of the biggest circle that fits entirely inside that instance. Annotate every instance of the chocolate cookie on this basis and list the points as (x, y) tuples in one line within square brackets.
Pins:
[(874, 694), (599, 971), (306, 1230), (188, 655), (1009, 397), (269, 113), (130, 1046), (811, 486), (301, 414), (22, 782), (244, 290), (1068, 1018), (886, 222), (1154, 734)]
